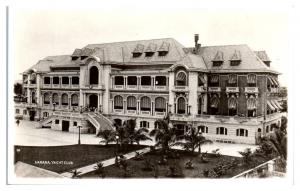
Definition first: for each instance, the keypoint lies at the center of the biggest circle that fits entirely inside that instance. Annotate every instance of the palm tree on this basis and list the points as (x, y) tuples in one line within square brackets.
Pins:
[(192, 140), (139, 135), (164, 133), (107, 136)]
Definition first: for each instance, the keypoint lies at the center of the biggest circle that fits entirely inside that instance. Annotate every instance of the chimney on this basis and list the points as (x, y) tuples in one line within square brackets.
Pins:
[(197, 46)]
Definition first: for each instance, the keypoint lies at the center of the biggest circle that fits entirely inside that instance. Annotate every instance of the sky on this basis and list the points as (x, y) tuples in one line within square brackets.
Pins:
[(37, 32)]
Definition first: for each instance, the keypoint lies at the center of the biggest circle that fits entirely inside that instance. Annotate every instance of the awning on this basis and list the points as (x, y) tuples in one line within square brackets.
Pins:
[(270, 80), (270, 106), (232, 79), (251, 79), (274, 105), (275, 81), (278, 104), (214, 102), (202, 79), (251, 104), (214, 79), (232, 103)]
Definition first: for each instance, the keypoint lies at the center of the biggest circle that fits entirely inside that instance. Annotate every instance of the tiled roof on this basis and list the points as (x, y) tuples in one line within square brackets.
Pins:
[(249, 60)]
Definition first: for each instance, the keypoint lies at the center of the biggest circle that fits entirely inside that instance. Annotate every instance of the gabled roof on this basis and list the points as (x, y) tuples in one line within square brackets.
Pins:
[(262, 55), (219, 56), (249, 61), (51, 61), (121, 52)]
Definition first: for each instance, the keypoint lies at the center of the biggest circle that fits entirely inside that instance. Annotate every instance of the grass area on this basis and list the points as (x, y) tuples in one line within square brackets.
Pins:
[(65, 158), (137, 168)]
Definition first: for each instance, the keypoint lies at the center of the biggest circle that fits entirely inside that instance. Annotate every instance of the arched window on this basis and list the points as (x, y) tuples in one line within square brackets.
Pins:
[(221, 131), (118, 102), (242, 132), (94, 75), (251, 106), (181, 106), (131, 103), (46, 98), (181, 79), (203, 129), (251, 80), (55, 98), (74, 100), (33, 98), (214, 105), (145, 104), (160, 104), (144, 124), (267, 129), (232, 105), (64, 99)]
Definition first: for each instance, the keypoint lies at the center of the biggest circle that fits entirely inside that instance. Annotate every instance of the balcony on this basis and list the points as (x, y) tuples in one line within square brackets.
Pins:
[(161, 88), (214, 89), (145, 112), (251, 90), (29, 85), (65, 85), (118, 111), (232, 90), (131, 87), (131, 112), (180, 88), (119, 87), (161, 114), (75, 86), (202, 89), (55, 85), (145, 87)]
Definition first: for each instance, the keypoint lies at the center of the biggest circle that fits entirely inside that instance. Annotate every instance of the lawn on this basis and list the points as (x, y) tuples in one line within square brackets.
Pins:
[(137, 168), (65, 158)]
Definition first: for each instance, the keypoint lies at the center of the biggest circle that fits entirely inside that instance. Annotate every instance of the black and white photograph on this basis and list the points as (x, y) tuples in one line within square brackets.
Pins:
[(149, 90)]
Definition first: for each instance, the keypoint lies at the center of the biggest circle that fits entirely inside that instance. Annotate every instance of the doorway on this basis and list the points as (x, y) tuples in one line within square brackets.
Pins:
[(65, 125), (93, 101), (31, 115)]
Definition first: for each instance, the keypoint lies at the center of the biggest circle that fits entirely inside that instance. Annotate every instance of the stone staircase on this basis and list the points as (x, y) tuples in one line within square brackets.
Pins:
[(100, 122), (47, 121)]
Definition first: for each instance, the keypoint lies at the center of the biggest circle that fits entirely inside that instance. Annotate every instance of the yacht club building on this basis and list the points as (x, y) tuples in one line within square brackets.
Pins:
[(229, 92)]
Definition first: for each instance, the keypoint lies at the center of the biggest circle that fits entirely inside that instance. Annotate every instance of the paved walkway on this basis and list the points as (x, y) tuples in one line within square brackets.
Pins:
[(111, 161), (28, 134)]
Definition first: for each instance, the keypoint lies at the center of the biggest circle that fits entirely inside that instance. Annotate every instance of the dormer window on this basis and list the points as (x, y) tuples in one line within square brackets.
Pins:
[(149, 54), (74, 58), (163, 49), (138, 51), (136, 54), (150, 50), (235, 59), (218, 60)]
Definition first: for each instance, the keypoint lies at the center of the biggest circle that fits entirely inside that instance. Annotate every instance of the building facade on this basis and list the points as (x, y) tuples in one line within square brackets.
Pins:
[(229, 92)]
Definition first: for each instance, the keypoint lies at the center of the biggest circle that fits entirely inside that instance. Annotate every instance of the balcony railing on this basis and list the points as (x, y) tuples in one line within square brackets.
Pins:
[(180, 88), (159, 113), (131, 112), (214, 89), (251, 90), (131, 87), (202, 89), (118, 110), (119, 87), (146, 87), (161, 88), (232, 90), (145, 112)]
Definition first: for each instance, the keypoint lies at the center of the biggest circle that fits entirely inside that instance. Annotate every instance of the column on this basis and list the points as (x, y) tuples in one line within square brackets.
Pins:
[(152, 82), (167, 107), (28, 90), (51, 81), (171, 94), (70, 81), (112, 82), (98, 102), (138, 107), (152, 108), (124, 107), (69, 104), (60, 82), (125, 82)]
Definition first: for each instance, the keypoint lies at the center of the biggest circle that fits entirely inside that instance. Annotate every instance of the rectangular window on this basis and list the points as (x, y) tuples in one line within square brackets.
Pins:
[(75, 123), (235, 62), (217, 63), (56, 121), (65, 80), (46, 80), (17, 111), (24, 112), (55, 80), (75, 80)]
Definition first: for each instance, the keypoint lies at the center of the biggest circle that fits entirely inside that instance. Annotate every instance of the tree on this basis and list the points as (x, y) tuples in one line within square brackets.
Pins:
[(164, 133), (192, 140), (99, 169), (247, 156), (18, 89), (139, 135), (107, 136)]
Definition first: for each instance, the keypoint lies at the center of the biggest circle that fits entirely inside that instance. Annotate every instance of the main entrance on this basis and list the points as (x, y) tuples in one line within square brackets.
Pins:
[(31, 115), (93, 101), (65, 125)]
